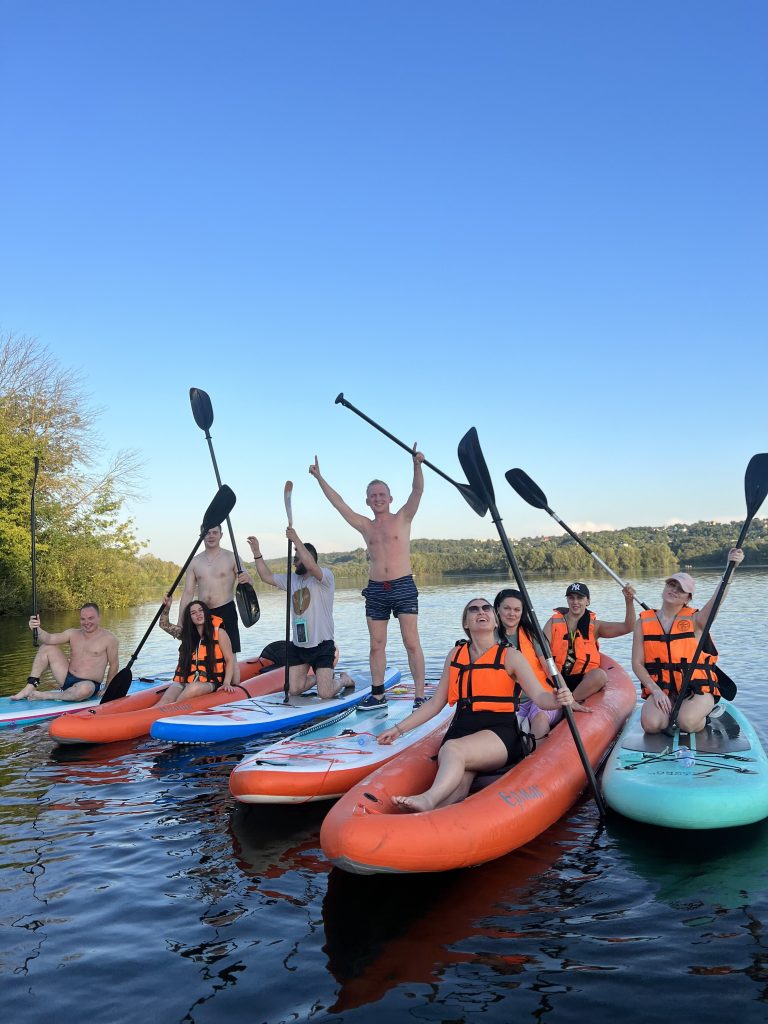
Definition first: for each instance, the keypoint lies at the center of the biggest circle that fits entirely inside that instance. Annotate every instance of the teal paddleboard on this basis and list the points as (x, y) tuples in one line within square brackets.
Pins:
[(716, 778)]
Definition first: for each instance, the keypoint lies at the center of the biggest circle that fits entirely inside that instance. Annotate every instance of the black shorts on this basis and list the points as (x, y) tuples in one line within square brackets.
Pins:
[(74, 680), (321, 656), (573, 680), (228, 613), (504, 724), (391, 597)]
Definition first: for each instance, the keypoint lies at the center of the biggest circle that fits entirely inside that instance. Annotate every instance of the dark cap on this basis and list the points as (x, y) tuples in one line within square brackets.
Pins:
[(578, 588)]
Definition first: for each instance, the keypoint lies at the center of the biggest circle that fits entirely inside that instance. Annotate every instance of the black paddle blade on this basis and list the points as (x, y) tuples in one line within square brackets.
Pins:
[(202, 409), (119, 686), (527, 489), (219, 509), (247, 604), (756, 483), (475, 469)]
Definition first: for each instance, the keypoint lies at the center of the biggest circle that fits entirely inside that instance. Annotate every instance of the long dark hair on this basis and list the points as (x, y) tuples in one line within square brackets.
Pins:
[(526, 622), (190, 638)]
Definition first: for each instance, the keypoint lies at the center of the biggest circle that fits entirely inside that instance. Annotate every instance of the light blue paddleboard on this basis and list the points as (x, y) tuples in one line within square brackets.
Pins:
[(261, 714), (716, 778), (28, 712)]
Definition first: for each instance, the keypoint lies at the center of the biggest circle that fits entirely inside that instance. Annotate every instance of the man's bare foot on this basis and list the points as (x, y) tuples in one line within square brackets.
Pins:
[(347, 682), (413, 803), (25, 691)]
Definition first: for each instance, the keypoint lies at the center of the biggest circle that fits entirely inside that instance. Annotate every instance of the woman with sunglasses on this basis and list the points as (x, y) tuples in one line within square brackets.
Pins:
[(484, 678)]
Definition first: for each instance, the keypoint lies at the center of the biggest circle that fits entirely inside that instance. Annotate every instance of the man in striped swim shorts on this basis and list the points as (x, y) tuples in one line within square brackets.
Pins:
[(391, 589)]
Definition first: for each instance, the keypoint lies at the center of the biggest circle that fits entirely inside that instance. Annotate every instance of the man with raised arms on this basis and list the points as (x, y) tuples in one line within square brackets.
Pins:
[(91, 649), (211, 577), (391, 589)]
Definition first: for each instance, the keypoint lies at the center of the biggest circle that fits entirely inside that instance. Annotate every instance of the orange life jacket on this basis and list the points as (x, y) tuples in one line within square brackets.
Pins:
[(198, 670), (526, 647), (578, 652), (482, 685), (666, 655)]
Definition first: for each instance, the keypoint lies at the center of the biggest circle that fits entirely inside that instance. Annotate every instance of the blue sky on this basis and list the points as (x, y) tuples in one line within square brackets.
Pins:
[(546, 220)]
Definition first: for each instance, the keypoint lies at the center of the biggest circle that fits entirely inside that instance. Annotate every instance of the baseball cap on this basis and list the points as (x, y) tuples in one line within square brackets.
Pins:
[(686, 582), (578, 588)]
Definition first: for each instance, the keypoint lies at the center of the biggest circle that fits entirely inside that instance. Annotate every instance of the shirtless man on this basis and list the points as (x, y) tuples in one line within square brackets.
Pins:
[(391, 589), (91, 648), (211, 577)]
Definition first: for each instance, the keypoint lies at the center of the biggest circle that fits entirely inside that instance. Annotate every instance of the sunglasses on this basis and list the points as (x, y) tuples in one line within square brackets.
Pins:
[(480, 608)]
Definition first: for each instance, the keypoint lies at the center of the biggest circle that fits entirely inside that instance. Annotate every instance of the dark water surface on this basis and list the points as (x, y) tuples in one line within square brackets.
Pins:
[(133, 887)]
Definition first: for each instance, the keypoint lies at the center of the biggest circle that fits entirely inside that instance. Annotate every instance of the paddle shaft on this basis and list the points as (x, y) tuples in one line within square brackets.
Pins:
[(238, 563), (287, 494), (341, 400), (551, 666), (33, 531)]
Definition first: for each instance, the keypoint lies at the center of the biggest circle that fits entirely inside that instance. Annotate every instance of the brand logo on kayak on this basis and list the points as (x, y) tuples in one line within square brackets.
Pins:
[(515, 797)]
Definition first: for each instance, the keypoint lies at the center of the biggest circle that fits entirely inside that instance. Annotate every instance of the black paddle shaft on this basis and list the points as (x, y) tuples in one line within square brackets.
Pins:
[(476, 470), (530, 492), (33, 532), (472, 499)]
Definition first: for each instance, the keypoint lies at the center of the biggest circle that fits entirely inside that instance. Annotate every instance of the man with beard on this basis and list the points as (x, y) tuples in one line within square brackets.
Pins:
[(312, 590)]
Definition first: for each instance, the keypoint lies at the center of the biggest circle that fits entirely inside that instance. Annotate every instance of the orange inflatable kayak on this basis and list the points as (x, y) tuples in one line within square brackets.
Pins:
[(130, 717), (366, 832)]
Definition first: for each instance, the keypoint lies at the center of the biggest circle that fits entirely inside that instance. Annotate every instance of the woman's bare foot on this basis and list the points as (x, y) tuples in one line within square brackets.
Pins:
[(421, 802)]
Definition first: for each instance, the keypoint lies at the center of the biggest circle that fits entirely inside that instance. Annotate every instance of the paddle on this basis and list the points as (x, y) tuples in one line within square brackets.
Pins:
[(287, 495), (33, 531), (245, 595), (529, 491), (476, 471), (219, 509), (472, 499), (755, 491)]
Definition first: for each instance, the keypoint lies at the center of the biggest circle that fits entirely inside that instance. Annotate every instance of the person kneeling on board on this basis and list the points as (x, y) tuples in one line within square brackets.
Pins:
[(664, 640), (484, 678), (312, 592)]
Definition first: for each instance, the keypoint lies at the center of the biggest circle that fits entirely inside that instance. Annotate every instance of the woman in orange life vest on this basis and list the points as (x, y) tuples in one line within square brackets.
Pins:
[(484, 679), (574, 634), (663, 640), (516, 627), (206, 662)]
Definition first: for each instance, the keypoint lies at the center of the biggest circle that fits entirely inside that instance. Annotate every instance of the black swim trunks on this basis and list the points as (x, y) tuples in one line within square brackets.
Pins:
[(321, 656), (391, 597), (72, 680), (228, 613)]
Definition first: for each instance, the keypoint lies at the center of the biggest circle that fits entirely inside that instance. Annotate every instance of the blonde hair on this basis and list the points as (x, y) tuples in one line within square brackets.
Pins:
[(466, 609)]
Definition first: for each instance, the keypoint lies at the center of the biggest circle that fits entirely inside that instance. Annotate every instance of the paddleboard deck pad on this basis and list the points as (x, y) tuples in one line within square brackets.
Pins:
[(716, 778)]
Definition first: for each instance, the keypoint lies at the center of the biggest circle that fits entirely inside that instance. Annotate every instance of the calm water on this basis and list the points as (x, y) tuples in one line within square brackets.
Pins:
[(135, 890)]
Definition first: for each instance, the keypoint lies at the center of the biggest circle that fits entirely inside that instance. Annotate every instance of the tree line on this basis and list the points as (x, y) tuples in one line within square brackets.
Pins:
[(86, 546), (632, 551)]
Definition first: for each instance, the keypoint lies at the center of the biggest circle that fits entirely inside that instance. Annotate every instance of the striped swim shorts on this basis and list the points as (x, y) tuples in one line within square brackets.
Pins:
[(391, 597)]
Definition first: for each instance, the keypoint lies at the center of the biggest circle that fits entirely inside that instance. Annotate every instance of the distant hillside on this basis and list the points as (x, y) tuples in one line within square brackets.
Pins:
[(630, 551)]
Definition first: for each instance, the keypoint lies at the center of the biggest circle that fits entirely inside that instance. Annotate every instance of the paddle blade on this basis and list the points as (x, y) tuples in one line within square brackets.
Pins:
[(287, 497), (475, 469), (121, 683), (756, 483), (526, 488), (219, 509), (247, 604), (202, 409)]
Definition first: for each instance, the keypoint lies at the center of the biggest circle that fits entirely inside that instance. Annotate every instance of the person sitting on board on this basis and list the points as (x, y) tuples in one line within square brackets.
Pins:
[(91, 650), (391, 589), (574, 633), (212, 576), (664, 640), (312, 592), (206, 660), (516, 628), (484, 678)]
